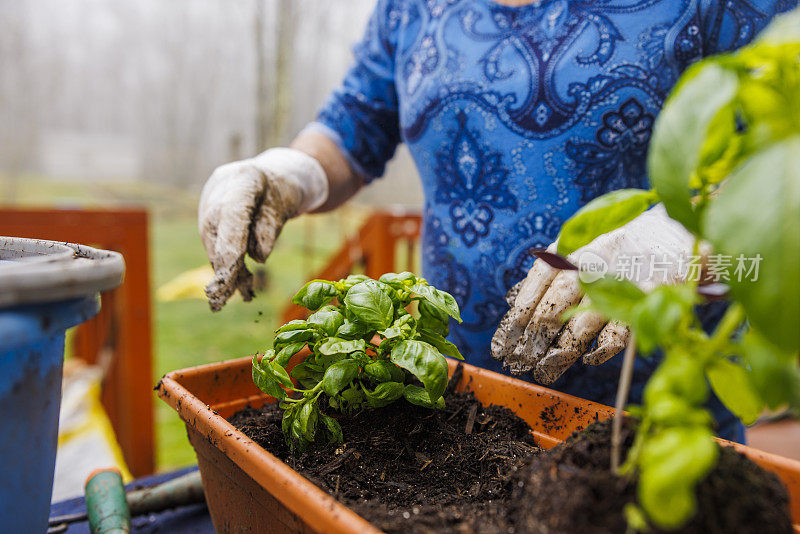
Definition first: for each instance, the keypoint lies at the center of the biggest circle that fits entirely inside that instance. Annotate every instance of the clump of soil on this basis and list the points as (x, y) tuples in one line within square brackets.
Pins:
[(411, 469), (571, 489)]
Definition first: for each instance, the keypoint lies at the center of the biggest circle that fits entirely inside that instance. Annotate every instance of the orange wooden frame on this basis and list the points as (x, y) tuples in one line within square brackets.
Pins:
[(123, 326)]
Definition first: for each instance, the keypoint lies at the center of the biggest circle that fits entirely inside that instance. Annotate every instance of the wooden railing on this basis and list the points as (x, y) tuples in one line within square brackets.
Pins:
[(121, 333), (372, 251)]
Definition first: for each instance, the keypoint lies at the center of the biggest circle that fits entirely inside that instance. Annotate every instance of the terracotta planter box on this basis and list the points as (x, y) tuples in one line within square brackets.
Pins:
[(248, 489)]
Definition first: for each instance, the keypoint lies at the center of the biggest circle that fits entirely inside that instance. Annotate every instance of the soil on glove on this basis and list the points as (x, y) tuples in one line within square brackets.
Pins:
[(411, 469), (571, 489)]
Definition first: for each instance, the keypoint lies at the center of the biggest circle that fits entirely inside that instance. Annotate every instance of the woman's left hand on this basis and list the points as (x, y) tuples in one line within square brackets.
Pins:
[(532, 335)]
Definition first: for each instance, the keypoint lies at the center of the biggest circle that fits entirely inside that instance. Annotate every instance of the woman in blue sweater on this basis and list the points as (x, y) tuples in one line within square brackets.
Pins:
[(517, 113)]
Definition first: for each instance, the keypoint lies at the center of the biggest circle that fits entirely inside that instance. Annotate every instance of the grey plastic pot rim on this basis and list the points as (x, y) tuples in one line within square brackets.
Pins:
[(35, 271)]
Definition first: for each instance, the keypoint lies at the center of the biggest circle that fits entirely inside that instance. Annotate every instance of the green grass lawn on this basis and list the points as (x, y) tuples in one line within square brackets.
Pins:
[(186, 332)]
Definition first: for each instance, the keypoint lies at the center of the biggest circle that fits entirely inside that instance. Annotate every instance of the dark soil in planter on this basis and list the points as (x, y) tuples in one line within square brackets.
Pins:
[(571, 489), (470, 468), (410, 469)]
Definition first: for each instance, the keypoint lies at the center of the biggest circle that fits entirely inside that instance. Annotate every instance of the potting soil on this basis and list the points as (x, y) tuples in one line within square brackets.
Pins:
[(471, 468), (410, 469), (571, 489)]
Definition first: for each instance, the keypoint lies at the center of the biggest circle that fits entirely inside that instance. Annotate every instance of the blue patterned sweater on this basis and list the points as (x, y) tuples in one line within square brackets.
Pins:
[(516, 117)]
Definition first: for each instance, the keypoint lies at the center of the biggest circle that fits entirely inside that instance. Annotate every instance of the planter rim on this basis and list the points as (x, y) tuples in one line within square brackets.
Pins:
[(330, 516)]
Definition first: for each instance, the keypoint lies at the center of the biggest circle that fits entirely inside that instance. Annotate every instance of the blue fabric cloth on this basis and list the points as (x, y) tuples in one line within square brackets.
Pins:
[(516, 117)]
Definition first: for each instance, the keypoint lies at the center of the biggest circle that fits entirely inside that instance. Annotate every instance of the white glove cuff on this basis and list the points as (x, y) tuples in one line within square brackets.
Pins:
[(300, 169)]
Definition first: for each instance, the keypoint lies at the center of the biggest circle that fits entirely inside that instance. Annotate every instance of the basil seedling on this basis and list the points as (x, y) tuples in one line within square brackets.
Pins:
[(732, 118), (366, 351)]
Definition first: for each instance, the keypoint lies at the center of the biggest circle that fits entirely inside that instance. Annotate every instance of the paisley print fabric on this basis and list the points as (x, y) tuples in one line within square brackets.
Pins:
[(516, 117)]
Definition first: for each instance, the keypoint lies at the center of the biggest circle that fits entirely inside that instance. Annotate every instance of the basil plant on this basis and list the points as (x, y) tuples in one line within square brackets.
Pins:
[(724, 160), (367, 350)]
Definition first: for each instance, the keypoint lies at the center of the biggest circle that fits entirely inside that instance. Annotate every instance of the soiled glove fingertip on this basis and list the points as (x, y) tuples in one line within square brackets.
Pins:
[(599, 356), (542, 376), (218, 294), (555, 363), (517, 368), (498, 348), (226, 281)]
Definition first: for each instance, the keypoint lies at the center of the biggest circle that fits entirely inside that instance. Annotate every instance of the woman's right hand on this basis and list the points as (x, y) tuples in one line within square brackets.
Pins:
[(243, 208)]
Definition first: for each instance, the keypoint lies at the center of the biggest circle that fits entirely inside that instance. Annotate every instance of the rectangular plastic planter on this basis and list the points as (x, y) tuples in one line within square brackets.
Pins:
[(250, 490)]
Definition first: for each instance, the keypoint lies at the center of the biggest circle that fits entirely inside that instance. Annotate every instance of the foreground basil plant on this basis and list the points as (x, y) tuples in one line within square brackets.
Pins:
[(725, 161), (346, 366)]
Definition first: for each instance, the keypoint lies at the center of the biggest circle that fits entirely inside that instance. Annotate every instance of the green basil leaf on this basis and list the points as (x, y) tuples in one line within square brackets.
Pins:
[(398, 373), (731, 383), (386, 345), (294, 324), (423, 361), (662, 312), (370, 305), (328, 318), (394, 332), (315, 294), (433, 319), (333, 428), (278, 373), (420, 397), (402, 327), (307, 376), (636, 518), (296, 440), (602, 215), (333, 403), (335, 345), (317, 366), (293, 336), (399, 280), (286, 353), (265, 381), (384, 394), (442, 300), (679, 374), (722, 149), (443, 346), (774, 371), (672, 462), (286, 422), (381, 371), (679, 134), (754, 220), (354, 279), (352, 398), (307, 419), (361, 358), (670, 410), (350, 330), (326, 360), (338, 376)]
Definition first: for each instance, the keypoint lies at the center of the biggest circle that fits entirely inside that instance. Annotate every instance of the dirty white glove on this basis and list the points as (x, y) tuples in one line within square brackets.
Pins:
[(532, 337), (243, 208)]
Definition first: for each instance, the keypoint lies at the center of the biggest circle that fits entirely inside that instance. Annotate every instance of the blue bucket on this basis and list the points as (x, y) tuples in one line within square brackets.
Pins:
[(32, 328)]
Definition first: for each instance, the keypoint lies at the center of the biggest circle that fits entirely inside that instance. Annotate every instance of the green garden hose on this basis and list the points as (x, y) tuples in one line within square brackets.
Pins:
[(106, 504)]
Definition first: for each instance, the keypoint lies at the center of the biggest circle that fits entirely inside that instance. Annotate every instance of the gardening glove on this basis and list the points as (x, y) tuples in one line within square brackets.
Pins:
[(243, 208), (532, 336)]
